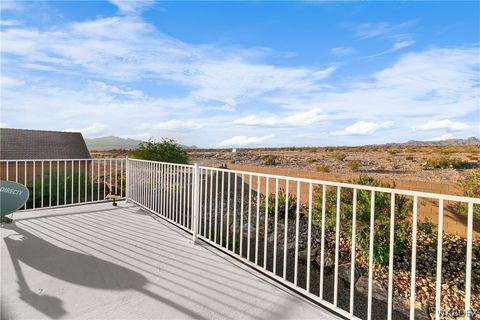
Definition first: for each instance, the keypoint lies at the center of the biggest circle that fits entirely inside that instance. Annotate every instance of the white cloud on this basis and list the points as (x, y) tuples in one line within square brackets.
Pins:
[(294, 120), (6, 81), (244, 141), (9, 23), (382, 29), (137, 50), (92, 130), (132, 6), (442, 124), (174, 125), (445, 136), (361, 128), (342, 51), (3, 125)]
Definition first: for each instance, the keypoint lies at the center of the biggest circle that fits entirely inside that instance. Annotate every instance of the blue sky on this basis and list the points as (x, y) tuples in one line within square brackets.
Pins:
[(233, 74)]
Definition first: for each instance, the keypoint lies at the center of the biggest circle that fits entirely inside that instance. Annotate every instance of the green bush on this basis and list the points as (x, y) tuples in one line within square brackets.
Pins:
[(282, 202), (339, 156), (403, 208), (353, 165), (270, 160), (470, 186), (444, 163), (166, 150), (323, 168)]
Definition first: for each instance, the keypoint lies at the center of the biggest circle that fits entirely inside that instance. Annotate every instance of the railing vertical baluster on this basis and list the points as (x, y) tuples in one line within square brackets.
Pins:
[(337, 247), (34, 184), (249, 215), (234, 214), (104, 177), (116, 176), (210, 211), (353, 249), (110, 176), (49, 183), (390, 256), (122, 180), (222, 198), (265, 242), (16, 171), (205, 205), (275, 229), (414, 259), (216, 207), (98, 180), (370, 255), (297, 234), (72, 182), (65, 182), (468, 269), (257, 225), (322, 245), (309, 243), (438, 285), (7, 171), (58, 182), (196, 194), (25, 181), (79, 180), (228, 212), (86, 181), (242, 199), (41, 186), (285, 229), (189, 206)]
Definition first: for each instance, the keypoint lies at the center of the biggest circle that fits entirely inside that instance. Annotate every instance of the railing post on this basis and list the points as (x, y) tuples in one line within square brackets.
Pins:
[(196, 197), (127, 180)]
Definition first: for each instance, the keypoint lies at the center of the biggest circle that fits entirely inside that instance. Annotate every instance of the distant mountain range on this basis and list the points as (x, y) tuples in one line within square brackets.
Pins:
[(472, 141), (112, 142)]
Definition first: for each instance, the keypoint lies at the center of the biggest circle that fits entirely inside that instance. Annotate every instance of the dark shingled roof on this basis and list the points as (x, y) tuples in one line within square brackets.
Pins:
[(37, 144)]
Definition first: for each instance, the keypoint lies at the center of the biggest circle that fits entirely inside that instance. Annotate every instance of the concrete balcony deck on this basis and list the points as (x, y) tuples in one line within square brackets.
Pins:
[(102, 262)]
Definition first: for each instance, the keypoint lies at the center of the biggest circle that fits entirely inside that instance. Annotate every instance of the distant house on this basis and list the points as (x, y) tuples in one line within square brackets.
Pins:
[(21, 144)]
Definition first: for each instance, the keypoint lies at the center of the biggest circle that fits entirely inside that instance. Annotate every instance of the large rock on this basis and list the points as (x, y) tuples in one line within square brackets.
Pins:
[(378, 290), (329, 260), (344, 272), (302, 255)]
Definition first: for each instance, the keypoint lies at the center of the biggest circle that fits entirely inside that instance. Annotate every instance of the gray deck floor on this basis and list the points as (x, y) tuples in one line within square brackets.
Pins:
[(100, 262)]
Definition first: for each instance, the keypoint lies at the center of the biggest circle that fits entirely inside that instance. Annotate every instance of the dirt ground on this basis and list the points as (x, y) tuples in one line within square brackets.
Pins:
[(391, 162)]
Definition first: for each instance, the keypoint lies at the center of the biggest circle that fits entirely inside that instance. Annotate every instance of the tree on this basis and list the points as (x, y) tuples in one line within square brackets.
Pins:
[(166, 150)]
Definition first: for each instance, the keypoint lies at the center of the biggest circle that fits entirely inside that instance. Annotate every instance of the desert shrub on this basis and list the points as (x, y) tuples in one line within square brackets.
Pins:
[(470, 186), (313, 150), (232, 161), (353, 165), (323, 168), (282, 203), (270, 160), (427, 227), (409, 158), (393, 151), (447, 151), (166, 150), (403, 207), (473, 157), (329, 149), (445, 162), (311, 160), (339, 156)]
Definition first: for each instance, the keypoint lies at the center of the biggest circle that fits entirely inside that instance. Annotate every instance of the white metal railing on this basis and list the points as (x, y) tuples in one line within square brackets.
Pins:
[(233, 211), (63, 182)]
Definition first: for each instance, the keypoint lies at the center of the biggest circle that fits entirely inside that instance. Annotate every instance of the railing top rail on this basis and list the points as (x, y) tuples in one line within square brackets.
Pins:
[(355, 186), (76, 159), (169, 163)]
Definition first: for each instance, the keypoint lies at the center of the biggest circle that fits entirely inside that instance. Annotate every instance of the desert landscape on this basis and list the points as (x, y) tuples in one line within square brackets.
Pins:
[(435, 162)]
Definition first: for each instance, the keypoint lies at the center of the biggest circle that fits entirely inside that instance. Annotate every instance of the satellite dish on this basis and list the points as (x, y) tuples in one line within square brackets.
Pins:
[(13, 196)]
